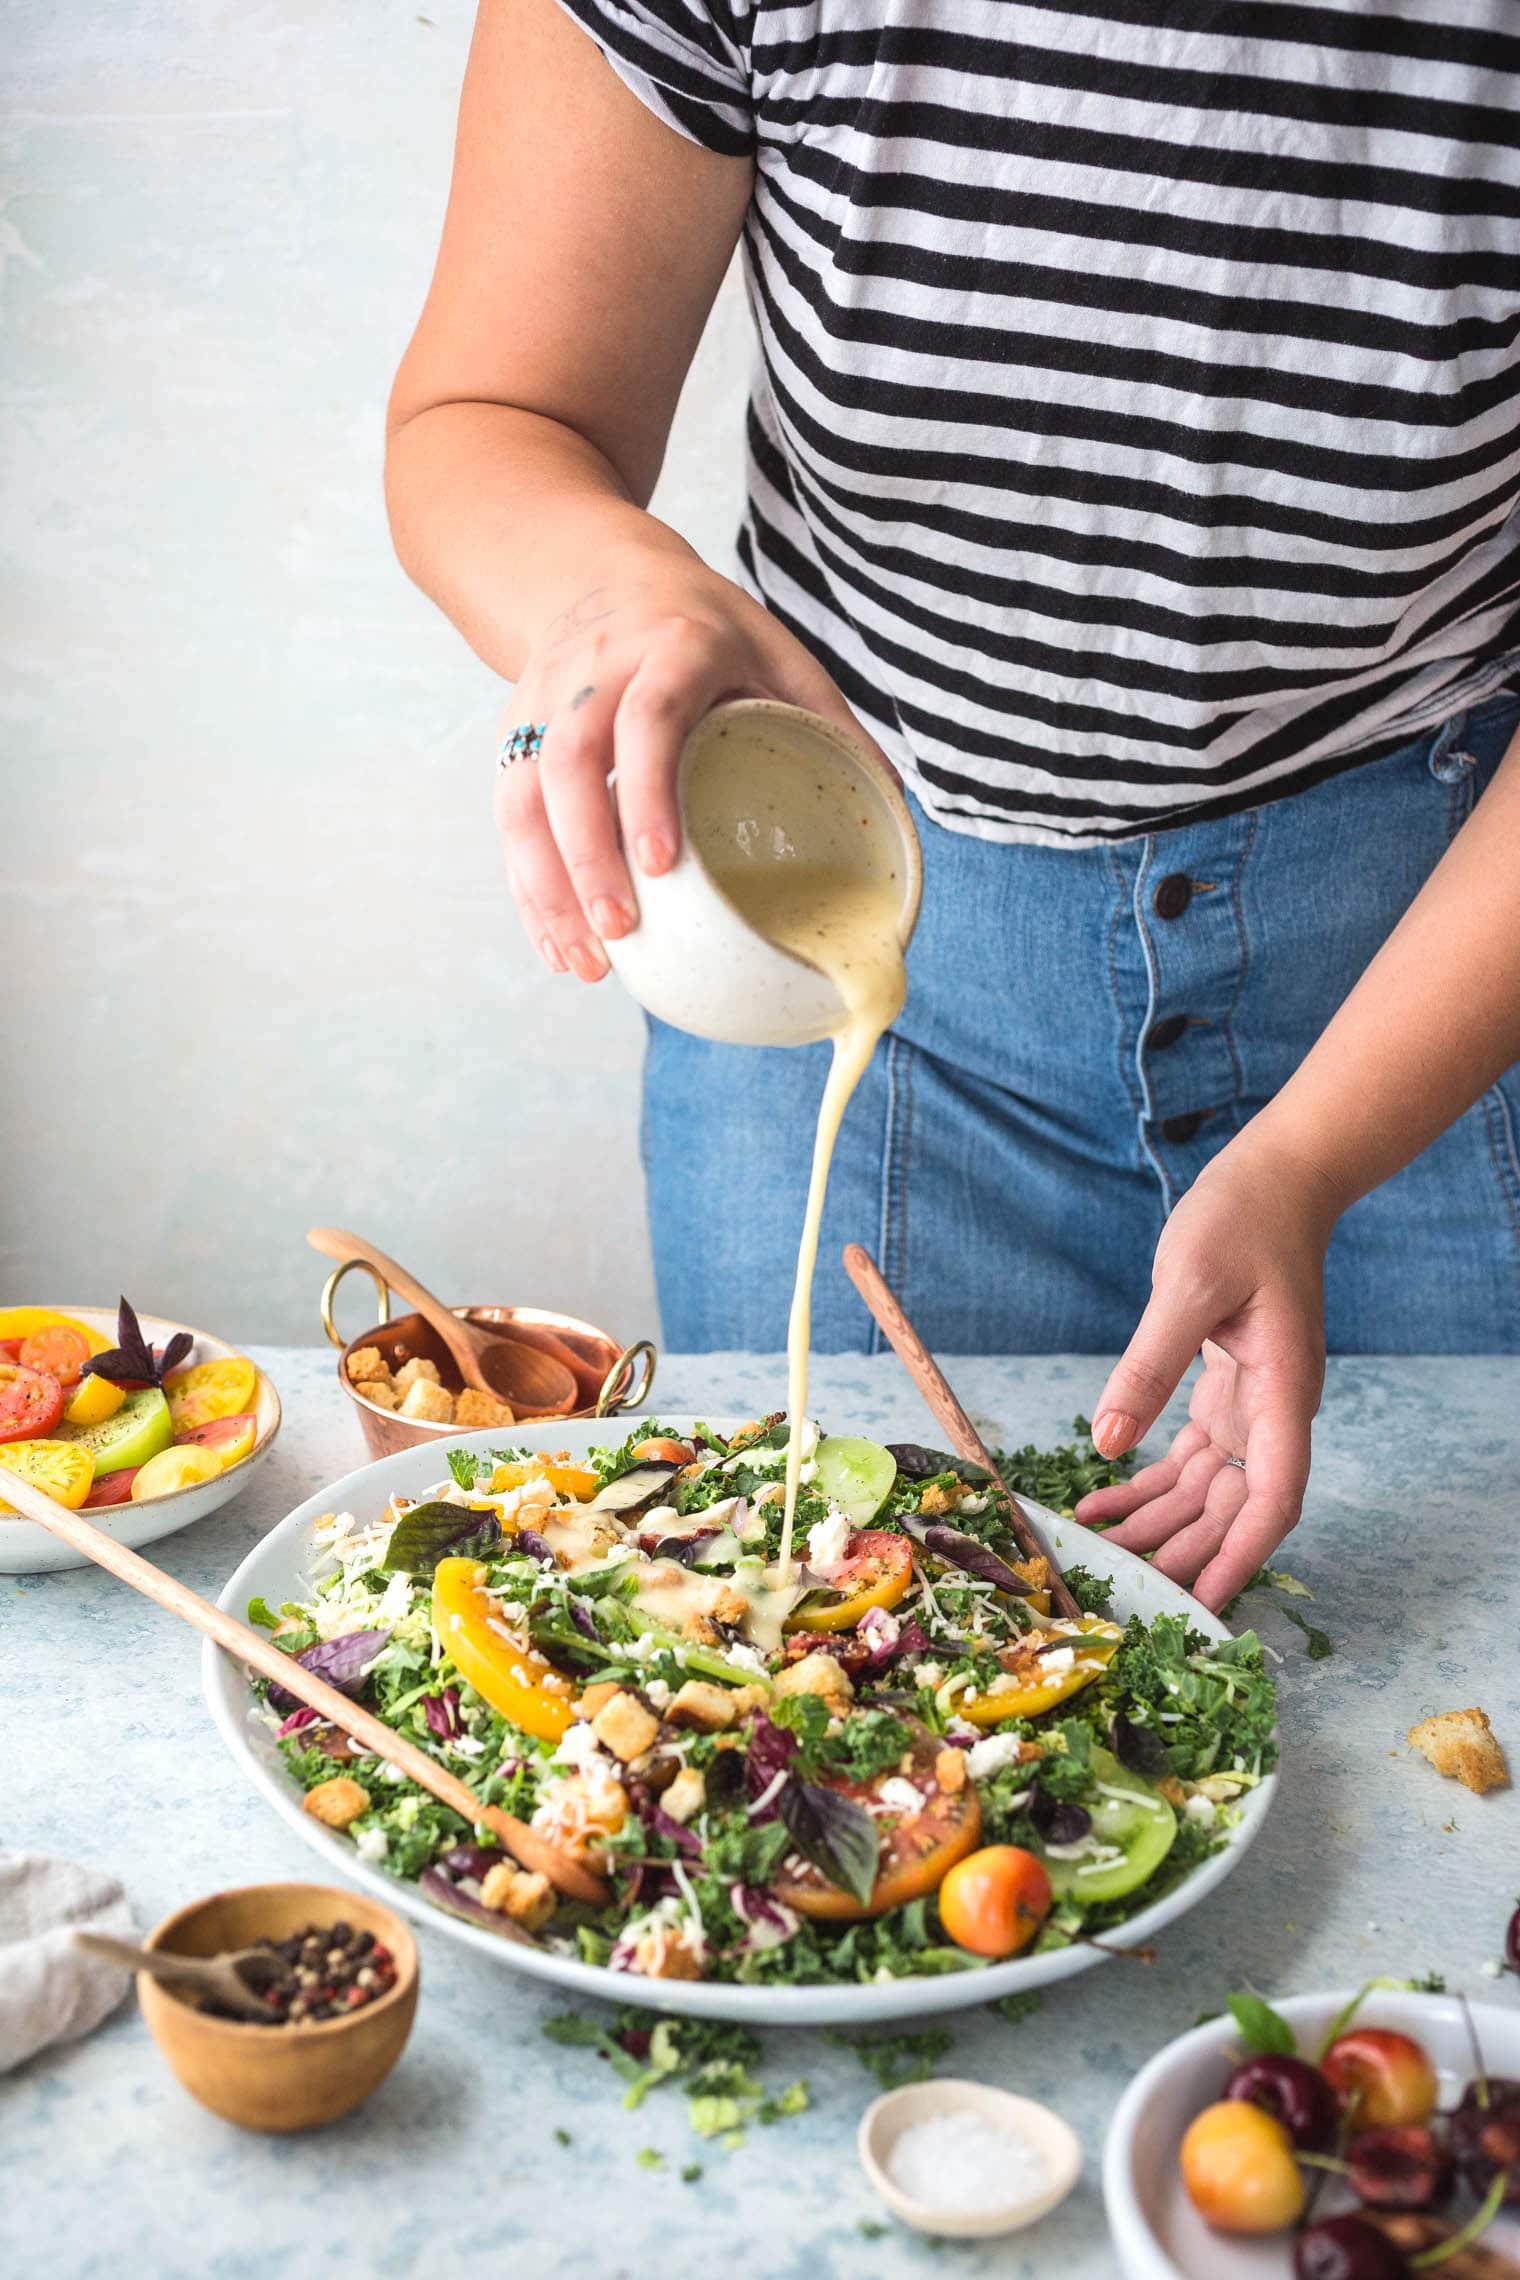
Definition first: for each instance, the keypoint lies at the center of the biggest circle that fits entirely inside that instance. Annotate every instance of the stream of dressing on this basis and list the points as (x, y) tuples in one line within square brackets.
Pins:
[(839, 913)]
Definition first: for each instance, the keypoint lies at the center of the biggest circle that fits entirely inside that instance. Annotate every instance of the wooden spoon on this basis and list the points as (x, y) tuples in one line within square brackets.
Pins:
[(251, 1647), (218, 1976), (932, 1383), (529, 1380)]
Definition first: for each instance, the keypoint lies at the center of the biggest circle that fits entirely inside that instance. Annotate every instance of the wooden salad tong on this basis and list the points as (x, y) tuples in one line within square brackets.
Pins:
[(248, 1646)]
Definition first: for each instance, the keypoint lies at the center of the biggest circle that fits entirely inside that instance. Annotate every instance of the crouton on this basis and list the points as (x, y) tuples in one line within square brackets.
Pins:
[(748, 1698), (1462, 1745), (1172, 1790), (368, 1362), (473, 1410), (624, 1726), (685, 1795), (820, 1675), (937, 1498), (701, 1704), (950, 1770), (724, 1606), (519, 1893), (418, 1367), (428, 1401), (595, 1695), (335, 1803), (381, 1392)]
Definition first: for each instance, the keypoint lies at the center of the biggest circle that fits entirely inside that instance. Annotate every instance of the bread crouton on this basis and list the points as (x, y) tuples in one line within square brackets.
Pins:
[(520, 1893), (685, 1796), (1462, 1745), (380, 1391), (625, 1727), (821, 1675), (600, 1691), (474, 1410), (701, 1704), (335, 1803), (938, 1498), (418, 1367), (368, 1362), (428, 1401)]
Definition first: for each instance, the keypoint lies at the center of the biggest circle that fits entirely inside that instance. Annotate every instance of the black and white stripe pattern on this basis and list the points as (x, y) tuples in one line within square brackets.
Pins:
[(1136, 432)]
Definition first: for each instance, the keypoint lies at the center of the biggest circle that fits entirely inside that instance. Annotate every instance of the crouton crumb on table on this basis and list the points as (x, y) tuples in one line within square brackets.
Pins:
[(135, 1781)]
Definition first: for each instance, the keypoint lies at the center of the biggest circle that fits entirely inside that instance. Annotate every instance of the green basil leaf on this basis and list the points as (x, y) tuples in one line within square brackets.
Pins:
[(1266, 2031), (433, 1532), (838, 1836)]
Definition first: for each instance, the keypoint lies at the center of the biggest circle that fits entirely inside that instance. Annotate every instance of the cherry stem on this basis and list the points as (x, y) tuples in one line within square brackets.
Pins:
[(1477, 2224)]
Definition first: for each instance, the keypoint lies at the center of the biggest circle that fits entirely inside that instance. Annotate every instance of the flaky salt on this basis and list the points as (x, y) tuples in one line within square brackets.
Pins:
[(965, 2163)]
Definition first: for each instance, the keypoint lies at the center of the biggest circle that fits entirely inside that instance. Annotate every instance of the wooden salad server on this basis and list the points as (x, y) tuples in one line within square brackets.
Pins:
[(932, 1383), (565, 1873), (529, 1380)]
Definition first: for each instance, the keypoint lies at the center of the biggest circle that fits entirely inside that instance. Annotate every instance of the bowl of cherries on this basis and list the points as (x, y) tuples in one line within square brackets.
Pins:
[(1366, 2136)]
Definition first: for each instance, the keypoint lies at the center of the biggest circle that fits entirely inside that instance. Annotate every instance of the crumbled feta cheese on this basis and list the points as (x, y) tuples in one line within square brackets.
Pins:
[(372, 1845), (579, 1747), (1059, 1660), (898, 1795), (1202, 1810), (991, 1754), (828, 1542), (657, 1692), (931, 1674)]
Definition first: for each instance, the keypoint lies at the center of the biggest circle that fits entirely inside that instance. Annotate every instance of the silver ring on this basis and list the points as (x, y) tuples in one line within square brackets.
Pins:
[(525, 743), (1238, 1462)]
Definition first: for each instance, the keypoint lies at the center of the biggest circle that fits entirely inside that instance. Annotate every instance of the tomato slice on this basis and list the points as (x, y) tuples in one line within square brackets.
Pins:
[(229, 1438), (208, 1390), (112, 1488), (10, 1349), (1034, 1680), (60, 1468), (60, 1350), (31, 1402), (876, 1571), (918, 1849)]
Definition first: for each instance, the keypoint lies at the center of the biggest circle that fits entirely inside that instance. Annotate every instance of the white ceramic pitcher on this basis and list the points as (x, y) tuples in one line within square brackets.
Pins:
[(761, 782)]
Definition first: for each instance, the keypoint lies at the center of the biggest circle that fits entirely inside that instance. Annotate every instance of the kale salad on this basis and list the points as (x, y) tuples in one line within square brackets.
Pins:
[(893, 1760)]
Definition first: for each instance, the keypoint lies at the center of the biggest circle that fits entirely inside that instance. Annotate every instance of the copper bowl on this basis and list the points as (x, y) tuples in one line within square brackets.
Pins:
[(609, 1378)]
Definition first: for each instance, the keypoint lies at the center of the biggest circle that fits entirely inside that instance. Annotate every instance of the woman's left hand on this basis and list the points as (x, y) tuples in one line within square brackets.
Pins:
[(1239, 1273)]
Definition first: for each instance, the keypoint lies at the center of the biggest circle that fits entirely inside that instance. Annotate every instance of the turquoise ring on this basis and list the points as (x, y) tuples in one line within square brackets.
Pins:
[(525, 743)]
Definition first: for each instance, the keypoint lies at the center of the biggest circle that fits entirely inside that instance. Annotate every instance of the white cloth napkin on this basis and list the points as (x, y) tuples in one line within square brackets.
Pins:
[(49, 1990)]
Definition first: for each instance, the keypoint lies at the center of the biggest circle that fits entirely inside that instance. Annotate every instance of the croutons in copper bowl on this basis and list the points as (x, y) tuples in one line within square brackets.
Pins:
[(406, 1390)]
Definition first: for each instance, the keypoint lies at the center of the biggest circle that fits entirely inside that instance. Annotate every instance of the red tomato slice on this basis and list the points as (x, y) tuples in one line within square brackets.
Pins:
[(10, 1349), (31, 1402), (60, 1351), (111, 1488), (221, 1430)]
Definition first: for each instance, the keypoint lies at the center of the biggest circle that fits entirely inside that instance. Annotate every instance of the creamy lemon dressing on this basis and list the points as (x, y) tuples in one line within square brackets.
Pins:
[(839, 909)]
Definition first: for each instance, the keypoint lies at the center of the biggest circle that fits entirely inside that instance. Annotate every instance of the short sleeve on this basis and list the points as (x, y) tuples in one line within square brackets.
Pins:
[(684, 59)]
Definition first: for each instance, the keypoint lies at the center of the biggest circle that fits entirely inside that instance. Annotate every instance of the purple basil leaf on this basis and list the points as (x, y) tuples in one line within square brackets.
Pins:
[(838, 1836), (536, 1547), (429, 1533), (469, 1863), (1057, 1819), (915, 1462), (1141, 1749), (683, 1549), (965, 1553), (771, 1749), (581, 1617), (174, 1353), (344, 1663), (442, 1714), (723, 1784)]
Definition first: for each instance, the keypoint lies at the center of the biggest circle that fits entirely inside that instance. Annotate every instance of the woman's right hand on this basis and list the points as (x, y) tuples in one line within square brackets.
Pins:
[(621, 676)]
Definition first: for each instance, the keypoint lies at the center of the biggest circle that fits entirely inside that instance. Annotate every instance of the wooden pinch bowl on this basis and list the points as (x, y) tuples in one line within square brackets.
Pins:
[(273, 2078), (609, 1378)]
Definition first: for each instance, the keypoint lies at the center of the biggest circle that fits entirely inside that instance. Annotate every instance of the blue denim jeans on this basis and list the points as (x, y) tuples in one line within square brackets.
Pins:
[(1084, 1030)]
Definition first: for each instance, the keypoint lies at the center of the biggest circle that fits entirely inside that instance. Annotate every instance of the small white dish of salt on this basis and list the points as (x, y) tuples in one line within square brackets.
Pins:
[(964, 2160)]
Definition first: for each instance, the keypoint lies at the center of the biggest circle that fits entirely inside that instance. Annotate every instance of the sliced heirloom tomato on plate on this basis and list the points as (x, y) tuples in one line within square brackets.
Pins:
[(916, 1849), (31, 1402), (59, 1468), (1133, 1830), (876, 1571), (1036, 1675), (111, 1488), (229, 1439), (62, 1350), (208, 1390), (184, 1466), (133, 1433)]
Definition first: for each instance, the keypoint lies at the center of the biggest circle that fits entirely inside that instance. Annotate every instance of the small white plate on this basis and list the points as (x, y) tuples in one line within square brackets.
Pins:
[(885, 2119), (280, 1568), (1158, 2233), (26, 1549)]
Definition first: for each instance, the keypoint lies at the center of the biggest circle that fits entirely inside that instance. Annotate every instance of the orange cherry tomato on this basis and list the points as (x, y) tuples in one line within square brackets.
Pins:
[(31, 1402), (61, 1351), (1239, 2170), (917, 1849), (662, 1451), (876, 1571), (994, 1901), (1383, 2079)]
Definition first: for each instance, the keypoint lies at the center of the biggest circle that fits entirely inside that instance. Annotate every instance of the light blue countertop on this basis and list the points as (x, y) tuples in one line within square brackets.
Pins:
[(1369, 1864)]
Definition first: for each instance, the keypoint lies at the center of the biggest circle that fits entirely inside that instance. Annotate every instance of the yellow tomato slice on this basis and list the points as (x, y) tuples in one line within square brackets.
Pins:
[(514, 1679), (1028, 1689), (877, 1572), (93, 1400), (26, 1321), (565, 1479), (174, 1468), (209, 1390), (62, 1468)]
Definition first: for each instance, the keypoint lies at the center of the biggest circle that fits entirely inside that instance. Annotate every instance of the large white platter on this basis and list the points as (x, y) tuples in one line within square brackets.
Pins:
[(1158, 2233), (279, 1568)]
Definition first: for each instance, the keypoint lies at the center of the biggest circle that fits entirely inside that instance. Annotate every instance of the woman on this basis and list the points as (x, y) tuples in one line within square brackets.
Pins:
[(1133, 452)]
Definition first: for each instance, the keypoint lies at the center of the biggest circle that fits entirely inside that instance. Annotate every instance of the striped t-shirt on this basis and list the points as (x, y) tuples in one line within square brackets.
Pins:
[(1134, 433)]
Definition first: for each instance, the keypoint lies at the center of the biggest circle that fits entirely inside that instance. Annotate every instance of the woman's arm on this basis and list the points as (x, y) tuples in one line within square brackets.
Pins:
[(583, 245), (1430, 1025)]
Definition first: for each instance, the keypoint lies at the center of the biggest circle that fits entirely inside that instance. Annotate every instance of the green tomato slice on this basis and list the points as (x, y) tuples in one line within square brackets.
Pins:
[(856, 1476), (138, 1430), (1127, 1813)]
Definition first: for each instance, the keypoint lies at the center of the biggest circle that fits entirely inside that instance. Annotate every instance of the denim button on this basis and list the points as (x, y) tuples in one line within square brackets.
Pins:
[(1173, 894), (1180, 1128), (1164, 1033)]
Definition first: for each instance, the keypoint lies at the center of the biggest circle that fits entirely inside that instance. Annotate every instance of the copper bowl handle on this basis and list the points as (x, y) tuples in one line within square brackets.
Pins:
[(618, 1392), (330, 1292)]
